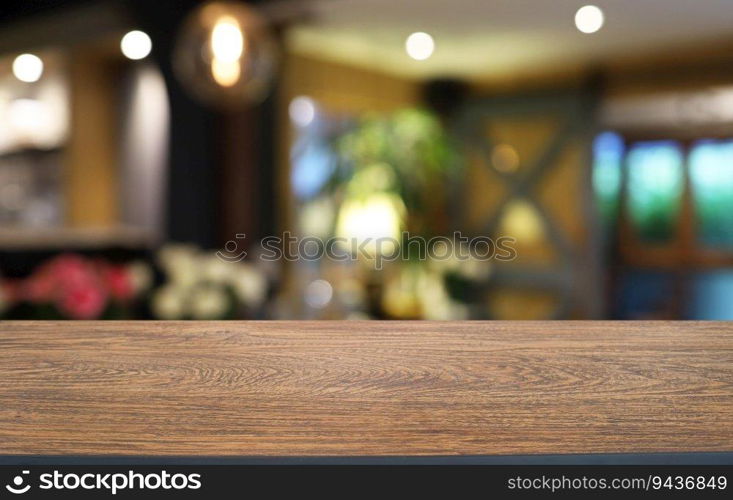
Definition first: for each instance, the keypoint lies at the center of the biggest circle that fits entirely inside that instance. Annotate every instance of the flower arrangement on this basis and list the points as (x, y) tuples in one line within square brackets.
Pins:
[(199, 285), (72, 286)]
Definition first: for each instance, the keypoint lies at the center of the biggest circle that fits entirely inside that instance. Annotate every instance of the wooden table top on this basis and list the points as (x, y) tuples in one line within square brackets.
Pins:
[(364, 388)]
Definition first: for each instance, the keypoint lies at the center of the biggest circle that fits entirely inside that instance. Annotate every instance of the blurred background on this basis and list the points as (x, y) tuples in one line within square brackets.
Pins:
[(139, 138)]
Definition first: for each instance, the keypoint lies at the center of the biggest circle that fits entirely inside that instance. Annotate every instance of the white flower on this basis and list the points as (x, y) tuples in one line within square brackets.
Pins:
[(213, 269), (202, 282), (180, 264), (141, 276), (169, 302), (209, 302), (249, 284), (173, 251)]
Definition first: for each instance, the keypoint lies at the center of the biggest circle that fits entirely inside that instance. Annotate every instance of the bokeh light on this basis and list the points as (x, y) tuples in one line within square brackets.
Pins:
[(505, 158), (302, 111), (136, 45), (227, 46), (318, 294), (28, 68), (420, 46), (589, 19), (374, 223)]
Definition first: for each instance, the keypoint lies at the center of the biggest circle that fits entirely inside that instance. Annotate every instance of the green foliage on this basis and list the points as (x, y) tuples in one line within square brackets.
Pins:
[(406, 153)]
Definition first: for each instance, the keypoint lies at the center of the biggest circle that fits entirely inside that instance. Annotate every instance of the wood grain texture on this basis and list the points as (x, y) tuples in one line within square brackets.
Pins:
[(364, 388)]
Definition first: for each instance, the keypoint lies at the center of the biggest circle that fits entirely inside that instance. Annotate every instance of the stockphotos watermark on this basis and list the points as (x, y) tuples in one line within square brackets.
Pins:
[(113, 482), (380, 250)]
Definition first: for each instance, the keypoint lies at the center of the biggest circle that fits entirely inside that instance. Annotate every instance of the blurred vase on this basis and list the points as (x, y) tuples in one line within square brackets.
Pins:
[(225, 54)]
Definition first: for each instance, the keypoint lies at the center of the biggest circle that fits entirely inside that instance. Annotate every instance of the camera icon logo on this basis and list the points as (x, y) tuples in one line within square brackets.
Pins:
[(231, 253), (17, 488)]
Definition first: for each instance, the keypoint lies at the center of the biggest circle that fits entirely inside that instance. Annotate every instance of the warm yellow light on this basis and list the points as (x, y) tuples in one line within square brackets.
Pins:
[(226, 73), (28, 68), (420, 46), (136, 45), (227, 47), (373, 224), (589, 19), (521, 221), (227, 40), (505, 158)]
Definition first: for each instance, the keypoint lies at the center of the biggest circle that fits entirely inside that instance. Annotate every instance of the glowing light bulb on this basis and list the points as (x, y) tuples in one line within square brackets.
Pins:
[(227, 40), (589, 19), (226, 73), (28, 68), (420, 46), (225, 54), (227, 46), (136, 45)]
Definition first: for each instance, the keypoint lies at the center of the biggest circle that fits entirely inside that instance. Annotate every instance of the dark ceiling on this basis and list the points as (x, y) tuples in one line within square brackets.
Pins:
[(13, 10)]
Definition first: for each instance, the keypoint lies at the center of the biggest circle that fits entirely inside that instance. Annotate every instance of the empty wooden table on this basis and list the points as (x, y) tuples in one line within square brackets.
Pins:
[(364, 388)]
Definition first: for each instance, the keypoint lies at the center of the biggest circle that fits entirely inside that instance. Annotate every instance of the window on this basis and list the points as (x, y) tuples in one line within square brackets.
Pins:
[(608, 153), (711, 178), (655, 188), (668, 208)]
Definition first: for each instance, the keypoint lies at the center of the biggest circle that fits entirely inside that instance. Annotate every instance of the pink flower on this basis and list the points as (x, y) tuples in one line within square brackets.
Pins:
[(118, 282), (83, 301), (79, 287), (39, 288), (71, 270), (50, 280)]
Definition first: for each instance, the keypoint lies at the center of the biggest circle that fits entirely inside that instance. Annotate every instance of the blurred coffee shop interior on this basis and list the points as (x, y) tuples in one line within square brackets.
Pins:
[(139, 142)]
